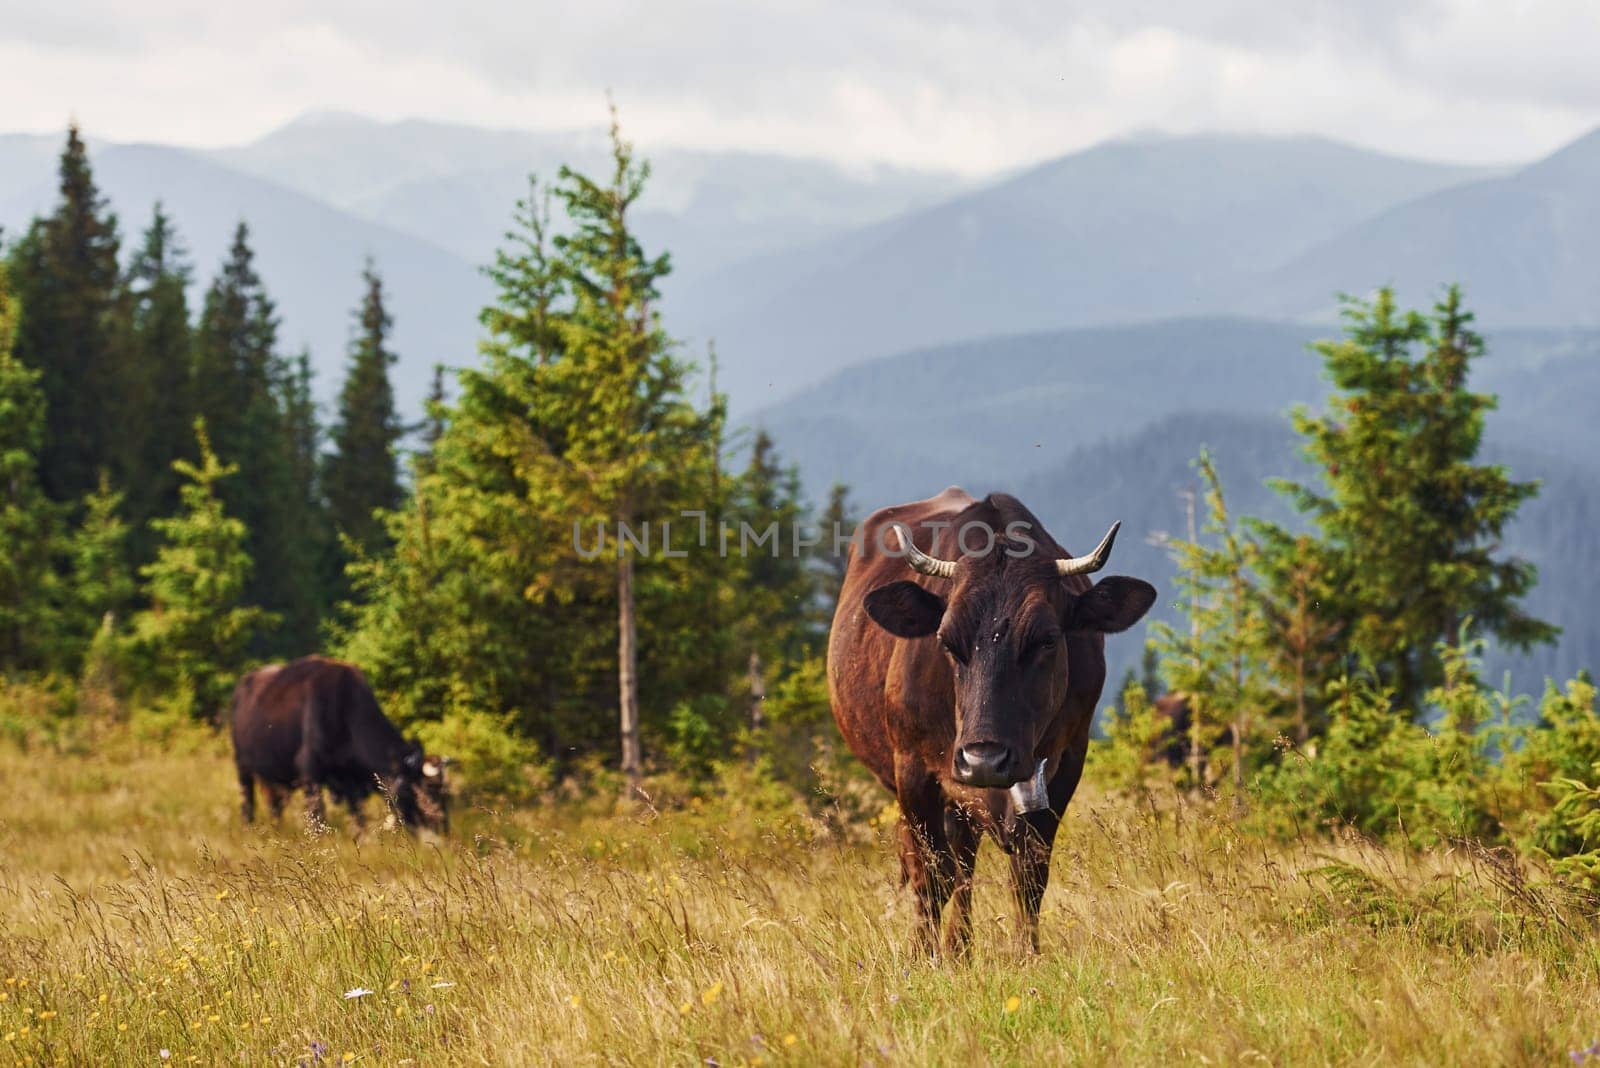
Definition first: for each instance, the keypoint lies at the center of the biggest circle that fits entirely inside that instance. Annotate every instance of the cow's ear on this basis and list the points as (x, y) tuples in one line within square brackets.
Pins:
[(905, 609), (1112, 606)]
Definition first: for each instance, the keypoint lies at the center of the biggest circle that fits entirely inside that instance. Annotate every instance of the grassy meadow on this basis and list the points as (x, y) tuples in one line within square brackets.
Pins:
[(142, 924)]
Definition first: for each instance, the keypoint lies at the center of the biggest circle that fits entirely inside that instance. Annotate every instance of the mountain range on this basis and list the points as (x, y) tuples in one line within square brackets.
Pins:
[(796, 268), (430, 203)]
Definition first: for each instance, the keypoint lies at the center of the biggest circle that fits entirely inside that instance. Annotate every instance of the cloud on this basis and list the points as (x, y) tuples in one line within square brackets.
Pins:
[(968, 86)]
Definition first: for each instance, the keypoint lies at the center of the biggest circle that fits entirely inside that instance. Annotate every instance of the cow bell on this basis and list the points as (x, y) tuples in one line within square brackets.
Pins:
[(1032, 795)]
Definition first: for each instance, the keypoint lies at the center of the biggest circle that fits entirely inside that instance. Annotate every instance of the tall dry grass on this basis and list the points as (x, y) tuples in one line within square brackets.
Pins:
[(139, 923)]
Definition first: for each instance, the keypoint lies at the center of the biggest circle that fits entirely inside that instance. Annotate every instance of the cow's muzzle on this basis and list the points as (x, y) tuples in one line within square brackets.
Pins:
[(987, 764)]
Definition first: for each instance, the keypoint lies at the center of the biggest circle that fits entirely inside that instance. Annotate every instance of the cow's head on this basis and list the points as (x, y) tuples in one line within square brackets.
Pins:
[(1003, 626), (419, 792)]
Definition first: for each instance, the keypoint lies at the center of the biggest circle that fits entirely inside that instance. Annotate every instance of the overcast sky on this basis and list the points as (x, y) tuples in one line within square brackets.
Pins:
[(957, 84)]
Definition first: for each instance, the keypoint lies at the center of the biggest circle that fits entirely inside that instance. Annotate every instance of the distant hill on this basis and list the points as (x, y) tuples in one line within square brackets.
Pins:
[(431, 203), (309, 253), (1523, 244), (996, 411), (455, 185), (1124, 231)]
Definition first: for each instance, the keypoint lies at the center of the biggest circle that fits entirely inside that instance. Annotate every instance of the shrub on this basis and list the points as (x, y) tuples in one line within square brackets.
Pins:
[(1381, 774), (36, 712), (1125, 759), (1561, 750), (489, 759)]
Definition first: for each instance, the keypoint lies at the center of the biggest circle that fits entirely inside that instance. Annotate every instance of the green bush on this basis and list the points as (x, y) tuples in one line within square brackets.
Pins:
[(1126, 759), (1562, 749), (1381, 774), (489, 760), (699, 735), (36, 712), (1574, 824)]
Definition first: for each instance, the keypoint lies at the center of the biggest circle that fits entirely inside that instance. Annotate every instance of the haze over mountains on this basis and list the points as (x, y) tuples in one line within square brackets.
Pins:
[(1125, 231), (431, 202), (797, 268)]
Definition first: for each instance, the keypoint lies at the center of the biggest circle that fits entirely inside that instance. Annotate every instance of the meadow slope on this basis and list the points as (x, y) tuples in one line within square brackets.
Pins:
[(143, 925)]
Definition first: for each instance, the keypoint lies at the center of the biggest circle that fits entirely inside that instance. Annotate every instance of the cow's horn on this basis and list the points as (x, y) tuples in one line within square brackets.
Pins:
[(1086, 565), (920, 561)]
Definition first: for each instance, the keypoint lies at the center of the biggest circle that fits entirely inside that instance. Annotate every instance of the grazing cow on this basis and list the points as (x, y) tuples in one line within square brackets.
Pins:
[(315, 723), (964, 668)]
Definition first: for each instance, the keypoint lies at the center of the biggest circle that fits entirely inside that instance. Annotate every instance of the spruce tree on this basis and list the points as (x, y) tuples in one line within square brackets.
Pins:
[(194, 636), (255, 410), (628, 442), (435, 411), (1409, 525), (66, 274), (160, 362), (362, 474), (576, 407), (102, 583), (1217, 662), (481, 571), (838, 523), (302, 433), (1297, 600), (29, 523), (778, 615), (234, 345)]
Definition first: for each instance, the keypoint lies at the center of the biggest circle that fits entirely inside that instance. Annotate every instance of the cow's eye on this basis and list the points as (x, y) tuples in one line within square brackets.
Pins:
[(1039, 649), (950, 647)]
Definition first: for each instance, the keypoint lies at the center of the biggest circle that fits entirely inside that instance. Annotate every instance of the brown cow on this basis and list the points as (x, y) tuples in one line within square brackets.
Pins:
[(315, 723), (964, 672)]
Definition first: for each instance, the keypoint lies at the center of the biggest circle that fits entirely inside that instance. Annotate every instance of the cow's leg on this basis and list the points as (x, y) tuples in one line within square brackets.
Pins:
[(1031, 839), (277, 797), (357, 818), (925, 859), (311, 783), (316, 814), (247, 787), (962, 834)]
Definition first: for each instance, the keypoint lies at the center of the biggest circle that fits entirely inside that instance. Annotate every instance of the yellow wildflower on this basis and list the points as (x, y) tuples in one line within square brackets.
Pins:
[(712, 993), (1013, 1003), (790, 1039)]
